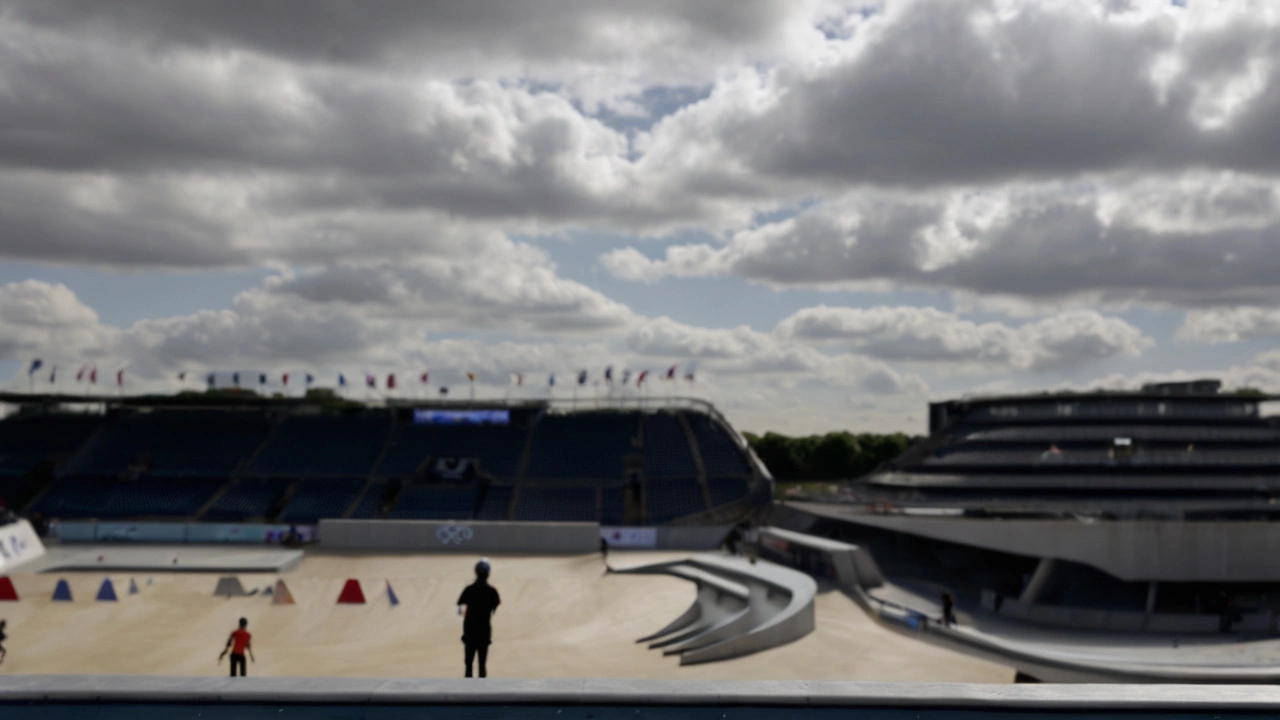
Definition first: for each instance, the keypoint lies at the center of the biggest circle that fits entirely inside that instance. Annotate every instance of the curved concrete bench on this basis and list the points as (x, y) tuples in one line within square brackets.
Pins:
[(740, 608)]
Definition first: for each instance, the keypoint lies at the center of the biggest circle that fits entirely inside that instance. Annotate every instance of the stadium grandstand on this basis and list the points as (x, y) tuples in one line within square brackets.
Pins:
[(229, 458)]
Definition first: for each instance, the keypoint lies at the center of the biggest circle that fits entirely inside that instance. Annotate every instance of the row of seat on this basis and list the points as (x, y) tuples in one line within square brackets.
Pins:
[(213, 443), (318, 498)]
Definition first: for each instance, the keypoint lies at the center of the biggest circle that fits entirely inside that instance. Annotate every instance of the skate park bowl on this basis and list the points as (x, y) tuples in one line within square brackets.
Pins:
[(740, 608), (115, 697)]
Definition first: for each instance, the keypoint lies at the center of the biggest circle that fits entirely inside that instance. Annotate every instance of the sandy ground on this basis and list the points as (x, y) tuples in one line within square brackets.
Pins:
[(561, 617)]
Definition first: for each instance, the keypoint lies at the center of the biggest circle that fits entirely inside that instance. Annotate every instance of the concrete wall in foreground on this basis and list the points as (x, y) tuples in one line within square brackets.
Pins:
[(533, 538)]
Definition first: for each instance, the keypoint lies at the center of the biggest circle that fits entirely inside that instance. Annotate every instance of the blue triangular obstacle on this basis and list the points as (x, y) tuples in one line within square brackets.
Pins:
[(392, 594), (133, 587), (107, 591), (62, 593)]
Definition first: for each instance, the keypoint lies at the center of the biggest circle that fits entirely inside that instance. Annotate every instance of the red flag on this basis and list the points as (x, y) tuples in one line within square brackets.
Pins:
[(80, 375), (424, 378), (93, 376), (120, 378), (285, 379), (640, 379), (471, 377), (671, 373), (391, 381)]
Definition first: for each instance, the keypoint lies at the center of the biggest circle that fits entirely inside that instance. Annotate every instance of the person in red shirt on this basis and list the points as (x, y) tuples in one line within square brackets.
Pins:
[(238, 644)]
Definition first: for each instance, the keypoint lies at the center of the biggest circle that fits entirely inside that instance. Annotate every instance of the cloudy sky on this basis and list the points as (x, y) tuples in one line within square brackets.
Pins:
[(837, 210)]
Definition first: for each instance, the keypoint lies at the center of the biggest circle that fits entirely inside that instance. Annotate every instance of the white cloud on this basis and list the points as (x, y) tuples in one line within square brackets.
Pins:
[(1041, 244), (928, 335), (1227, 325)]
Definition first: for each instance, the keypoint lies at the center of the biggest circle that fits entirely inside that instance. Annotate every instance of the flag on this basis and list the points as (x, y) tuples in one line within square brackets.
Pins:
[(689, 375), (120, 377), (608, 374), (342, 380), (211, 379), (517, 379), (671, 373), (370, 380), (641, 377), (310, 378), (262, 378), (80, 373), (424, 377), (235, 379), (444, 390), (552, 380), (582, 377), (182, 376), (471, 377), (391, 381), (626, 376), (53, 375), (284, 379), (93, 376), (35, 365)]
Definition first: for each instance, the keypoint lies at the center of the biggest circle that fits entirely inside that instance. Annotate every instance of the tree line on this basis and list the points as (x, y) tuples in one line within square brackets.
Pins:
[(834, 456)]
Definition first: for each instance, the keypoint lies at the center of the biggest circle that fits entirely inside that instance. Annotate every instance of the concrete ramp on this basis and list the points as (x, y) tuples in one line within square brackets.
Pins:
[(740, 608)]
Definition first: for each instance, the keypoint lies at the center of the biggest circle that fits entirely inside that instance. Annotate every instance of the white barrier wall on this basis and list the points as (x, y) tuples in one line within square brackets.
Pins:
[(19, 544), (534, 538)]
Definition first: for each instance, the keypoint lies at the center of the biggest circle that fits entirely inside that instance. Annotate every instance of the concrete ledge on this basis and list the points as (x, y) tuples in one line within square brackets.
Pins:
[(372, 691)]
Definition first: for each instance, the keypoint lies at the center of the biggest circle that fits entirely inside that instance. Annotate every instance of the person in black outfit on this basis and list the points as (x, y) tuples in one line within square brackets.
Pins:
[(481, 602), (948, 610), (2, 637), (604, 554)]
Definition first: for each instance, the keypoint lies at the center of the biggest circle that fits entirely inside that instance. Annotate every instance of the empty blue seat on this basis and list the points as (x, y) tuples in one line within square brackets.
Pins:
[(321, 498), (28, 440), (582, 446), (666, 448), (497, 503), (325, 445), (720, 453), (428, 502), (175, 443), (370, 505), (671, 499), (613, 505), (564, 504), (726, 490), (110, 498), (246, 499), (498, 448)]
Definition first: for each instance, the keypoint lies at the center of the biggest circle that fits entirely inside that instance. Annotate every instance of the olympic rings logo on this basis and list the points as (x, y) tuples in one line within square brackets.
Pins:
[(454, 534)]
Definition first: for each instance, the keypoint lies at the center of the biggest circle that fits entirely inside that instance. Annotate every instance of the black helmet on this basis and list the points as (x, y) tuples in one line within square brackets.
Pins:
[(482, 568)]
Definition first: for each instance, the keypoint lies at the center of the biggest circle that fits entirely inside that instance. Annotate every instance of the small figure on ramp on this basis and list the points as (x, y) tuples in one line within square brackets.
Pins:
[(604, 555), (238, 644), (3, 652), (481, 602)]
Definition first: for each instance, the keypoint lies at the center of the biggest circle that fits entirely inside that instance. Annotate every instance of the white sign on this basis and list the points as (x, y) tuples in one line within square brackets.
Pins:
[(645, 537), (18, 544), (454, 534)]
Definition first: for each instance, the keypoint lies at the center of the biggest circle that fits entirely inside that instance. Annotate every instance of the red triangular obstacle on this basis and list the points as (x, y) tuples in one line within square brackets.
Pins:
[(281, 595), (7, 592), (351, 593)]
